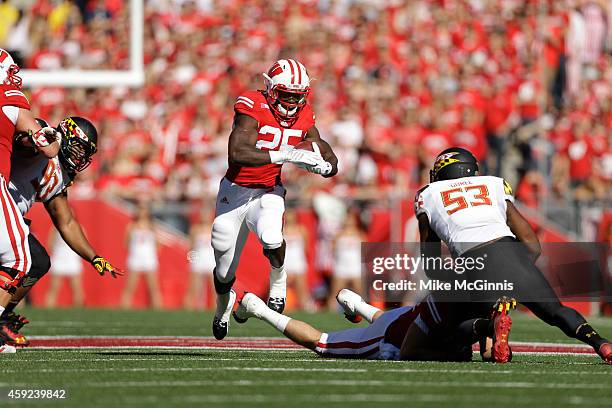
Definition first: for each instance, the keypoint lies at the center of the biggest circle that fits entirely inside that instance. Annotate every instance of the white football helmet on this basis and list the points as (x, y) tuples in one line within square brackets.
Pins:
[(8, 70), (287, 87)]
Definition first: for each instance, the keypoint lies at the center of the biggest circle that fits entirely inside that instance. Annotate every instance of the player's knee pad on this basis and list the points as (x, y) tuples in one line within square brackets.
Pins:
[(223, 287), (223, 236), (41, 263), (272, 238)]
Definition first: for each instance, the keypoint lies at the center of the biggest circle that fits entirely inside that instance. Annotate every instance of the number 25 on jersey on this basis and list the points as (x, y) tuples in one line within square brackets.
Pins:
[(279, 137), (460, 198)]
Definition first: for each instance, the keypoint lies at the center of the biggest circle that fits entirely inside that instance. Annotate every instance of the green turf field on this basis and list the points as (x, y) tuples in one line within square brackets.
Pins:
[(281, 378)]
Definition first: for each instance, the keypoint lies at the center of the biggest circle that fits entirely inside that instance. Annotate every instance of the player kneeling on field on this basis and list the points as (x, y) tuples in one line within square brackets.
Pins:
[(475, 217), (34, 177), (407, 333)]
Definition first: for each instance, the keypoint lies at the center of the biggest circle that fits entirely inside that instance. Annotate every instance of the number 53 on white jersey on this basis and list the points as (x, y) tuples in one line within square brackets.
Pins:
[(467, 211)]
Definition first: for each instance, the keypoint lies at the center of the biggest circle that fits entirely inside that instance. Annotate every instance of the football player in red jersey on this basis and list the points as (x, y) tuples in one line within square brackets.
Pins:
[(15, 115), (267, 126)]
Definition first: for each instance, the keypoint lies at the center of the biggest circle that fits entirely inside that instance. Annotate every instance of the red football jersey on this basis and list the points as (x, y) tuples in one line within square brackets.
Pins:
[(9, 96), (272, 136)]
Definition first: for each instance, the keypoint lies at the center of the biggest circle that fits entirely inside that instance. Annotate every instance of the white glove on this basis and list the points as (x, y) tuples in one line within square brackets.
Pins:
[(45, 136), (321, 167), (296, 156)]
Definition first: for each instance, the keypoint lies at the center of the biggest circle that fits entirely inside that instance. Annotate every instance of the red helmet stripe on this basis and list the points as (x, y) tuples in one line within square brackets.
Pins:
[(3, 55), (299, 70), (292, 71)]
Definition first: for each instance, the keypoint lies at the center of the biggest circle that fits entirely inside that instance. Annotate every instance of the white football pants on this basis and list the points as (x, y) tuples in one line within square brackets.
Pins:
[(238, 211)]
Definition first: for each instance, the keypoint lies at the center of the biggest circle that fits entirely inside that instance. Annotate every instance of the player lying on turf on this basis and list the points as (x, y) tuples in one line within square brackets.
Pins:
[(396, 334), (268, 125), (34, 177), (476, 218)]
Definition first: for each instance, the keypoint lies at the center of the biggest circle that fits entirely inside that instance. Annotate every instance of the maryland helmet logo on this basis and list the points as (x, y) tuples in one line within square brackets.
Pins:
[(444, 160), (71, 129)]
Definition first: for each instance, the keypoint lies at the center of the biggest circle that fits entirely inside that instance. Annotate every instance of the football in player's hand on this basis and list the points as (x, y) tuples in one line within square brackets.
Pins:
[(305, 145)]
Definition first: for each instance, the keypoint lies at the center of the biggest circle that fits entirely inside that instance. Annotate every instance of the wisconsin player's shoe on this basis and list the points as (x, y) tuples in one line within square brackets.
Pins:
[(6, 348), (220, 325), (502, 323), (605, 352), (249, 306), (347, 299), (277, 304)]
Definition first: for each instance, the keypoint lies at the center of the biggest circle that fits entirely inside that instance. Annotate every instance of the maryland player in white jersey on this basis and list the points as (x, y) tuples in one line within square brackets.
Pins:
[(475, 217), (36, 178), (267, 126)]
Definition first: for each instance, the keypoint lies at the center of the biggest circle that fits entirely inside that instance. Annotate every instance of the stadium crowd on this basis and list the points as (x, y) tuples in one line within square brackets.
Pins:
[(523, 84)]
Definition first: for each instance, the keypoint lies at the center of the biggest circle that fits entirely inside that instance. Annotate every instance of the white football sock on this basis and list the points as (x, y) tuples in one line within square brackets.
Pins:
[(222, 303), (366, 311), (278, 282), (275, 319), (1, 310)]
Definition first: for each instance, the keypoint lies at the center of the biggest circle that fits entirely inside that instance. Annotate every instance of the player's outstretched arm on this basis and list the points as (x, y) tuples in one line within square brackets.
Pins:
[(326, 151), (71, 231), (45, 139), (242, 141), (522, 229)]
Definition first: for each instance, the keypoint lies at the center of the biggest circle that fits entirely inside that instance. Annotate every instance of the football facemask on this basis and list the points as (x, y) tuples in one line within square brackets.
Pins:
[(78, 145)]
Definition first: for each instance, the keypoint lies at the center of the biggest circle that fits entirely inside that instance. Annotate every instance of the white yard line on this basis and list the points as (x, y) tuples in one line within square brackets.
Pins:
[(329, 383), (310, 369), (54, 337), (187, 369), (367, 397)]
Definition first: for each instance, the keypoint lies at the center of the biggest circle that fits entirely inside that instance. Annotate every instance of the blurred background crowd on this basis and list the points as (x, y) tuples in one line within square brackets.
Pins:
[(526, 85)]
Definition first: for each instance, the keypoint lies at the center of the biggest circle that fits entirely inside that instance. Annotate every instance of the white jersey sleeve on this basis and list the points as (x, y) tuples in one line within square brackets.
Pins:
[(419, 203), (466, 212), (36, 179)]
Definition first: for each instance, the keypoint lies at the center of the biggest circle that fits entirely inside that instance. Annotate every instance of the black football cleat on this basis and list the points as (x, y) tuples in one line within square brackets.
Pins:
[(220, 325), (9, 336), (219, 328), (10, 324), (16, 321), (277, 304)]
